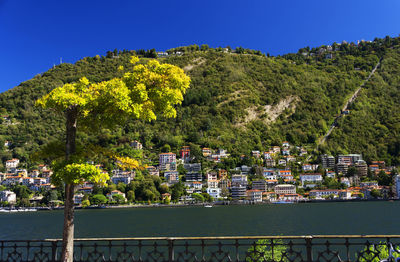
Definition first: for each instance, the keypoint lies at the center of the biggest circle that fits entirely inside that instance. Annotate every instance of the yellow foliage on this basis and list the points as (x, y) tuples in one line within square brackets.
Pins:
[(127, 163)]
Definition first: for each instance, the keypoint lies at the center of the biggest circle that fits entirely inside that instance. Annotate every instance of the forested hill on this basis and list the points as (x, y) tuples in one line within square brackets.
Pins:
[(239, 100)]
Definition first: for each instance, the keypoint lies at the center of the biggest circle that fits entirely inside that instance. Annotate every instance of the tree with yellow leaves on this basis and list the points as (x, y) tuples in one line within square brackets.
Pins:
[(143, 93)]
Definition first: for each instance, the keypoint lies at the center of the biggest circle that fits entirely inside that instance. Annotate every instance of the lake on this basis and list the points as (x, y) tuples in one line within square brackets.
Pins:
[(273, 219)]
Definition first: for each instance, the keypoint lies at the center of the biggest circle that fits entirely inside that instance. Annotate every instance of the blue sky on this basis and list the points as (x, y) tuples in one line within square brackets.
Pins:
[(34, 35)]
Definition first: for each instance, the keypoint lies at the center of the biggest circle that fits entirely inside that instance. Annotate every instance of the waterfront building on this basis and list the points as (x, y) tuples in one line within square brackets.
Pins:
[(254, 195), (8, 196), (324, 193), (269, 196), (78, 198), (214, 192), (194, 187), (114, 193), (271, 183), (224, 183), (285, 189), (310, 179), (194, 176), (238, 192)]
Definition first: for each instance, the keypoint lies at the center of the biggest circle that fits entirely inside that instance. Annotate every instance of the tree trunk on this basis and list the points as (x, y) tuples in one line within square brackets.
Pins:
[(67, 254)]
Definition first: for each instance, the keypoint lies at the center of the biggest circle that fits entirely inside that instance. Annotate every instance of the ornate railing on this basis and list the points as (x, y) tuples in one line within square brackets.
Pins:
[(250, 248)]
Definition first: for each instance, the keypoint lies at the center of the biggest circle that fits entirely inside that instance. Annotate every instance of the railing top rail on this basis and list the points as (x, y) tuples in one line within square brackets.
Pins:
[(212, 238)]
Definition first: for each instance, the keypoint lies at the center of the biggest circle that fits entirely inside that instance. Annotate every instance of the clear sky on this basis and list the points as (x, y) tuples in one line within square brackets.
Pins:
[(35, 34)]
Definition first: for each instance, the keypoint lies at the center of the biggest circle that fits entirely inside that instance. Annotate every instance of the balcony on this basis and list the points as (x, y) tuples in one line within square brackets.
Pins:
[(249, 248)]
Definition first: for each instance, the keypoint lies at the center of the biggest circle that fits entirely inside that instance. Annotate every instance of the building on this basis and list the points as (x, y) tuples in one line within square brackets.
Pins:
[(342, 168), (78, 198), (193, 187), (153, 171), (172, 177), (8, 196), (239, 180), (362, 168), (125, 179), (12, 164), (349, 159), (194, 176), (136, 145), (224, 183), (212, 180), (196, 167), (206, 152), (185, 154), (167, 161), (307, 179), (328, 161), (270, 162), (256, 154), (238, 192), (260, 185), (324, 193), (114, 193), (254, 195), (214, 192), (285, 189)]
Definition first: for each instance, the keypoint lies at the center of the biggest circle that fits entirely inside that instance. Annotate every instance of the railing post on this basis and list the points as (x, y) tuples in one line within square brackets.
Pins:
[(170, 250), (309, 248), (54, 250)]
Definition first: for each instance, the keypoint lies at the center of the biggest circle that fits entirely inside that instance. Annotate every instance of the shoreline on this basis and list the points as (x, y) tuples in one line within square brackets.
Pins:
[(225, 203)]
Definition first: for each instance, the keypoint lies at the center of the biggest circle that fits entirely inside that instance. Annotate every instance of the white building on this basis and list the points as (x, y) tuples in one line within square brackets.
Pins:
[(13, 163), (8, 196), (285, 189), (214, 192), (310, 178), (324, 193)]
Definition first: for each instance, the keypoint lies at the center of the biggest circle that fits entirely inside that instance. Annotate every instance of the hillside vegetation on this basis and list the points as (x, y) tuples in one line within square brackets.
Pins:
[(239, 100)]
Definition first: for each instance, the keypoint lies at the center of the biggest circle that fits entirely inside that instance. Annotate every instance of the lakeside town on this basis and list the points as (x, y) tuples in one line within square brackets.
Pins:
[(279, 175)]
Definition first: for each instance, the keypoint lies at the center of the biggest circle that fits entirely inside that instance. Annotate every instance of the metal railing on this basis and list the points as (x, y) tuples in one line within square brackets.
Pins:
[(248, 248)]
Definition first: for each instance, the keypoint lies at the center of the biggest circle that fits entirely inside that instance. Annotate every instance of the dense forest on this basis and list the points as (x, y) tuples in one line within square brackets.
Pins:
[(239, 100)]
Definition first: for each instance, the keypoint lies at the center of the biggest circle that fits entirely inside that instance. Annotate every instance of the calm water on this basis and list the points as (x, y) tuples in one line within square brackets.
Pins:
[(292, 219)]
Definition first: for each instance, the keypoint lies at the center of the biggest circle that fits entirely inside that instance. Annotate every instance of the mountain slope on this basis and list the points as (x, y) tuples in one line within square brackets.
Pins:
[(238, 101)]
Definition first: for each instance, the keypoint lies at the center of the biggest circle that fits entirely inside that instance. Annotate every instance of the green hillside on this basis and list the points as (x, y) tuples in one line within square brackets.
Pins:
[(240, 101)]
